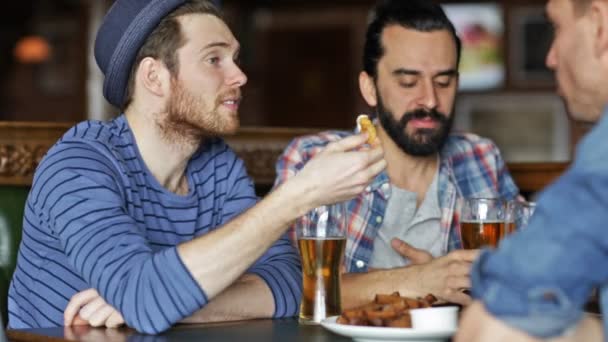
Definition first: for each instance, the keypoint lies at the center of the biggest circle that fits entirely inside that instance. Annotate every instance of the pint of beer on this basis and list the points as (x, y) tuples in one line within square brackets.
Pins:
[(476, 234), (518, 214), (321, 241), (482, 222)]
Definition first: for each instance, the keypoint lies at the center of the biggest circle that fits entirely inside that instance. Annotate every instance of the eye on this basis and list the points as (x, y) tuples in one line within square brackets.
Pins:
[(407, 84), (213, 60), (443, 82)]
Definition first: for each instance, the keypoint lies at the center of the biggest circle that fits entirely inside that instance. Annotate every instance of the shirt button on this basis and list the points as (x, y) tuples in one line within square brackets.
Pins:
[(360, 263), (368, 189), (378, 219)]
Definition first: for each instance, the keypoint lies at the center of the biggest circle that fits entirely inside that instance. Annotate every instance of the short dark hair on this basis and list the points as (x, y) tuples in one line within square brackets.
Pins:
[(419, 15), (166, 39)]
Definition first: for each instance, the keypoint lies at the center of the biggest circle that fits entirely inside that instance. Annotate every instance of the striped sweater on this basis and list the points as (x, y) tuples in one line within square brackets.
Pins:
[(96, 217)]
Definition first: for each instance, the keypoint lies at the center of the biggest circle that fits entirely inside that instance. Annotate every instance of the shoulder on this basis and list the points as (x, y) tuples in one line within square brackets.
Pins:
[(462, 146), (97, 131), (89, 146)]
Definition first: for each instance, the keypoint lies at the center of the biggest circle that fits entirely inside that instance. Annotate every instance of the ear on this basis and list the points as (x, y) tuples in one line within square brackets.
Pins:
[(367, 86), (598, 17), (154, 76)]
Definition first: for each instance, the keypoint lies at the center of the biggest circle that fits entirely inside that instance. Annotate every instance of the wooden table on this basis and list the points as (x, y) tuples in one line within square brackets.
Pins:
[(258, 330)]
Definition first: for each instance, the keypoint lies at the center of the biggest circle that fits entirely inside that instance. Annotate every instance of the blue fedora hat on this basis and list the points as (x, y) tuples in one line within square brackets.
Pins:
[(124, 30)]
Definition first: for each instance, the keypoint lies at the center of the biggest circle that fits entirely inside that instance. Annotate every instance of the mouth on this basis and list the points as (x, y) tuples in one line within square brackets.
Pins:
[(423, 123), (231, 103)]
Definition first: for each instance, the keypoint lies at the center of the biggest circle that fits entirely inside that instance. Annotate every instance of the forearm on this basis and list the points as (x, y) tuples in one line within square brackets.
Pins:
[(247, 298), (360, 288), (219, 258)]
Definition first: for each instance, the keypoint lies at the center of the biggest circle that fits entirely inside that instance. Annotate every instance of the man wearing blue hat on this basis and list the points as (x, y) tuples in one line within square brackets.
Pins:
[(151, 218)]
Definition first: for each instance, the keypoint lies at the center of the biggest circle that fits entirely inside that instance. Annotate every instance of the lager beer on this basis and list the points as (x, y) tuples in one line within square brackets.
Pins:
[(321, 259), (477, 234)]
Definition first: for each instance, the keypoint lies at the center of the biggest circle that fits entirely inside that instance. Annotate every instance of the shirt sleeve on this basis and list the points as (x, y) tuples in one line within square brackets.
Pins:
[(279, 267), (539, 279), (77, 195), (289, 163)]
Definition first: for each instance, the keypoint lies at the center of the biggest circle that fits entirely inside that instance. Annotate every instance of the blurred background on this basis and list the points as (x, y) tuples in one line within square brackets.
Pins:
[(303, 58)]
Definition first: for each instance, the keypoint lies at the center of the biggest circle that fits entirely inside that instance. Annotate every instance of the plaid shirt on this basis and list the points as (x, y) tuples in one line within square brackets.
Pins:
[(470, 166)]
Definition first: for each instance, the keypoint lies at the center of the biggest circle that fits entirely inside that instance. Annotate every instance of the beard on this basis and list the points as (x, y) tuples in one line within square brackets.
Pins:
[(424, 141), (190, 119)]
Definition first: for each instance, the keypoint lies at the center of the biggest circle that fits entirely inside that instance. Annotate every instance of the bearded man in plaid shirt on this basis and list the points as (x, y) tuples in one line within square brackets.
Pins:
[(403, 230)]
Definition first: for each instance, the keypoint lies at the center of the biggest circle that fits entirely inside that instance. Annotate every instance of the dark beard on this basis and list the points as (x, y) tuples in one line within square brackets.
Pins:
[(424, 142)]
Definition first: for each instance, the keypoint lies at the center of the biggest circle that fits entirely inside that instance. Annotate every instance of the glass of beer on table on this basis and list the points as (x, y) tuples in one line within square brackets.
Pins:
[(517, 215), (321, 238), (482, 222)]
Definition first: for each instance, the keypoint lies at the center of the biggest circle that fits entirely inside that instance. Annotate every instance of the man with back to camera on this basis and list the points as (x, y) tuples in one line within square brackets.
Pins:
[(535, 285), (150, 218), (409, 214)]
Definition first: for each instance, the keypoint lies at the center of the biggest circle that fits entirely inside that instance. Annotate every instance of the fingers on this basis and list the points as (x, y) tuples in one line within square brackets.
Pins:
[(346, 144), (91, 308), (458, 297), (79, 321), (101, 315), (468, 255), (376, 168), (115, 320), (415, 255), (76, 302)]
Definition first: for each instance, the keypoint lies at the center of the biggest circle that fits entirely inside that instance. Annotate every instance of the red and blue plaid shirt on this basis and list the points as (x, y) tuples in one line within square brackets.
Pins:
[(470, 166)]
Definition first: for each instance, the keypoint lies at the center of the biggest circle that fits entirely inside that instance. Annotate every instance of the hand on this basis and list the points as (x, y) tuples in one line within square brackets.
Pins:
[(414, 255), (88, 307), (340, 171), (447, 276), (88, 333), (477, 325)]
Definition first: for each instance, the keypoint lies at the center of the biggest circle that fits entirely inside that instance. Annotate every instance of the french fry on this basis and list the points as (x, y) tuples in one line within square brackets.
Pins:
[(386, 311)]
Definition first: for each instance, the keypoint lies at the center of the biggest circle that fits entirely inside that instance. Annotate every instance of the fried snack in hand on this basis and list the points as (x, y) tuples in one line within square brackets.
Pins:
[(365, 125), (386, 311)]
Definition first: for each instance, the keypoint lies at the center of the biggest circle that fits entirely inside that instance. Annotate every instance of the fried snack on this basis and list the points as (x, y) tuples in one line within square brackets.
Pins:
[(365, 125), (386, 311)]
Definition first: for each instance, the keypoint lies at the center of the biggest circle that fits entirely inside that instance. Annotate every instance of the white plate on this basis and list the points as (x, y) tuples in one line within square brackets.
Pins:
[(369, 334)]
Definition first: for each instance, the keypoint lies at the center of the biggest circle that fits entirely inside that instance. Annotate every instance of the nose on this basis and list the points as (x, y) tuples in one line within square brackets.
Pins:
[(237, 77), (551, 60), (428, 96)]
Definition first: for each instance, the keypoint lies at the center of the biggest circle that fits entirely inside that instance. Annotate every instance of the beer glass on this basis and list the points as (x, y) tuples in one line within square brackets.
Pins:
[(481, 222), (321, 240), (517, 215)]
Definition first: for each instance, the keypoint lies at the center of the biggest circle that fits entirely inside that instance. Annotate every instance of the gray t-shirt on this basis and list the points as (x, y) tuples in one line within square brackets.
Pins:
[(420, 228)]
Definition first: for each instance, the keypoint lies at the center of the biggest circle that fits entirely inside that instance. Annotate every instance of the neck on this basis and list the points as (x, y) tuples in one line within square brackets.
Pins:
[(405, 171), (165, 152)]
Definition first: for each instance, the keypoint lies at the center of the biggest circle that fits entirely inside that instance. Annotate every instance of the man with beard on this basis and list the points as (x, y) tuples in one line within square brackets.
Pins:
[(401, 228), (150, 218)]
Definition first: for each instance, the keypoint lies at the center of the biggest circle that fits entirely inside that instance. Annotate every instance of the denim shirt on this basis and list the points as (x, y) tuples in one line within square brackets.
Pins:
[(539, 279), (469, 166)]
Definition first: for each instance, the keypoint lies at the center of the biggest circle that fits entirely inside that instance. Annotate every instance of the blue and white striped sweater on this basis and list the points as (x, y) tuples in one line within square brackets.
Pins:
[(96, 217)]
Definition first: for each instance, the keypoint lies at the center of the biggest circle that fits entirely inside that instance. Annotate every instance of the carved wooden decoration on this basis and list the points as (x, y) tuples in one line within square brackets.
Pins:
[(22, 146)]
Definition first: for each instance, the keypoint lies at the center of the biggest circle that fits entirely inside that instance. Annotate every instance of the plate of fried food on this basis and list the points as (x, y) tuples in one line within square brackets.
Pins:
[(396, 318)]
